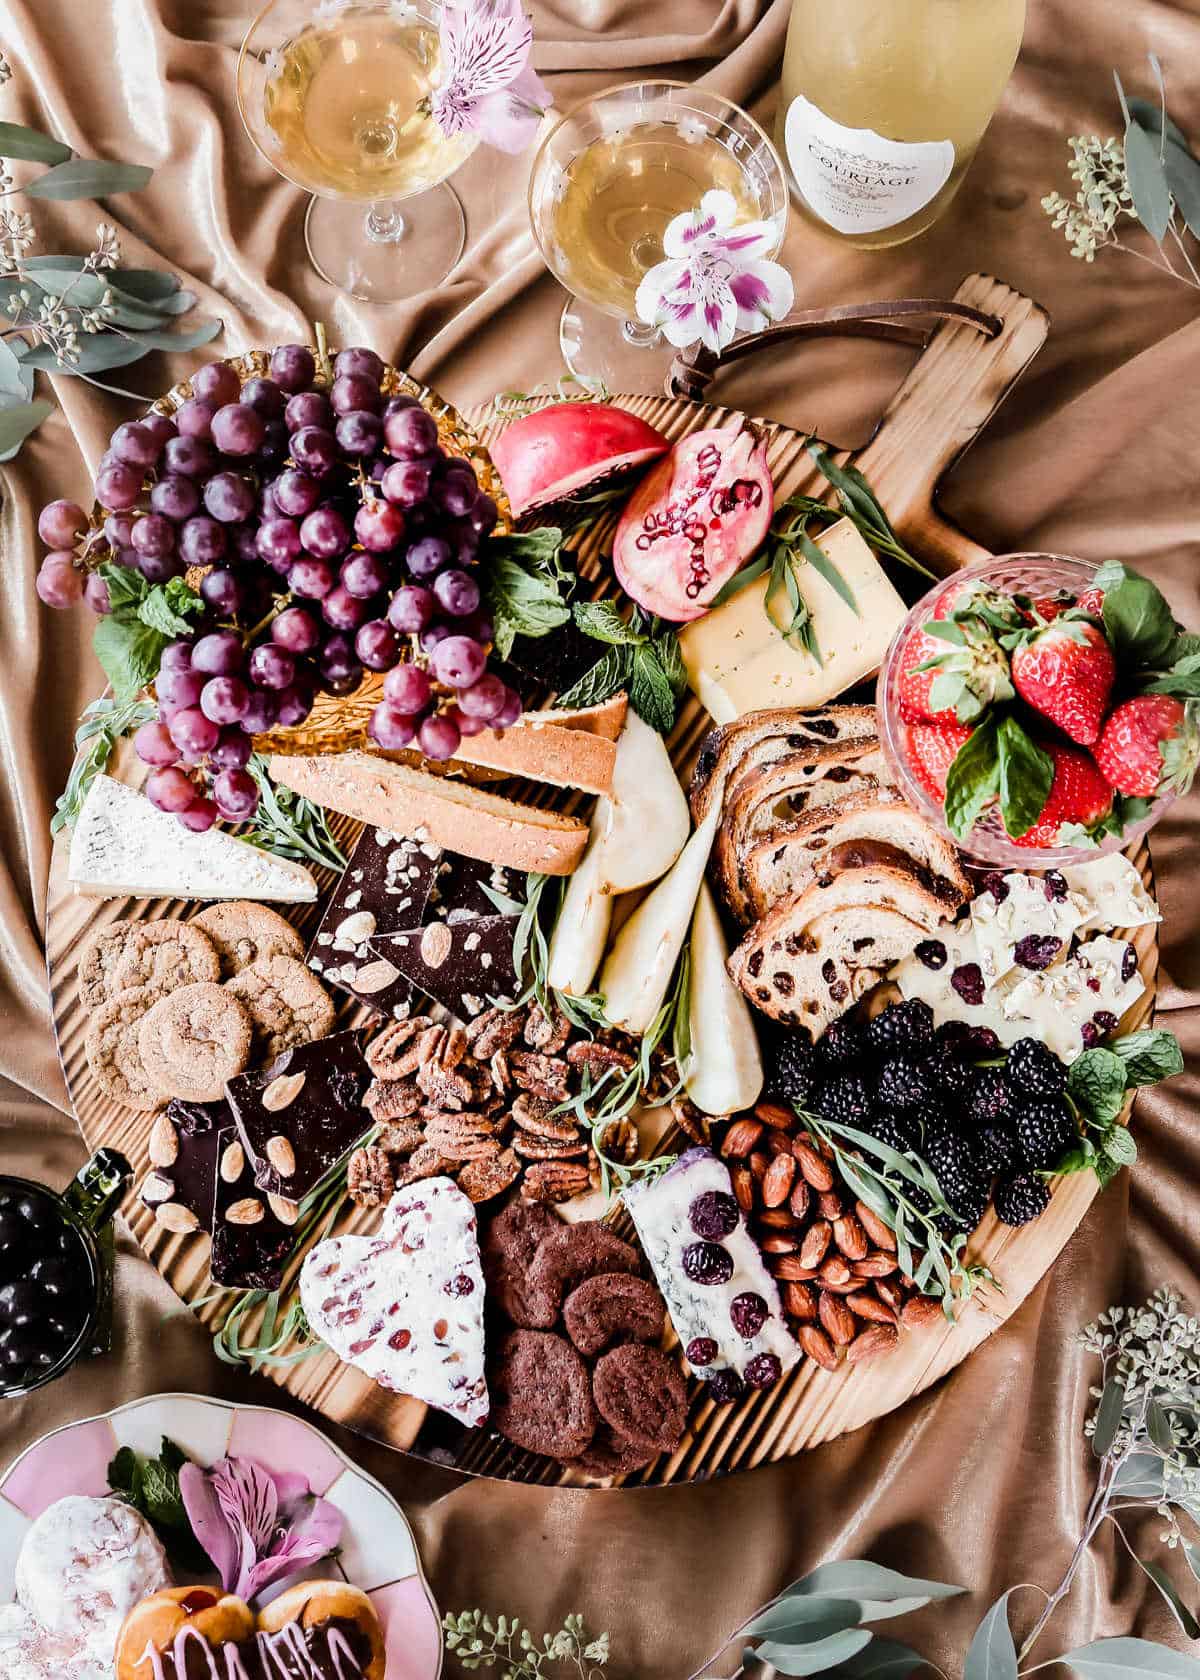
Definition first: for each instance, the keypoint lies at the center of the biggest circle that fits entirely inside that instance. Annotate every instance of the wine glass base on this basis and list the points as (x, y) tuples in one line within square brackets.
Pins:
[(433, 232), (598, 351)]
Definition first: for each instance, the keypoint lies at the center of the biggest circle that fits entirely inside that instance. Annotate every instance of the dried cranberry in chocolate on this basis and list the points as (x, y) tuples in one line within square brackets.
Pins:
[(1129, 963), (1054, 885), (701, 1351), (459, 1284), (967, 981), (714, 1215), (763, 1370), (1037, 950), (707, 1262), (1105, 1020), (725, 1386), (995, 883), (932, 953), (748, 1312)]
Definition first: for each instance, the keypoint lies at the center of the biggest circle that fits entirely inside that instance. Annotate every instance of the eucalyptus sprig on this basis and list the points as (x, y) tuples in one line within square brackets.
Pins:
[(478, 1641)]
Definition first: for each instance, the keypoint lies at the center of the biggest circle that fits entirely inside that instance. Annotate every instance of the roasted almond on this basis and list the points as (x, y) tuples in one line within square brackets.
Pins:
[(173, 1216), (743, 1188), (850, 1237), (800, 1200), (777, 1142), (285, 1211), (835, 1271), (922, 1310), (281, 1155), (436, 943), (863, 1305), (282, 1091), (156, 1188), (890, 1293), (880, 1234), (163, 1143), (233, 1162), (741, 1138), (877, 1339), (248, 1211), (776, 1219), (874, 1266), (816, 1243), (787, 1268), (817, 1171), (776, 1114), (836, 1318), (817, 1346), (780, 1245), (798, 1300), (758, 1163), (829, 1205), (777, 1181)]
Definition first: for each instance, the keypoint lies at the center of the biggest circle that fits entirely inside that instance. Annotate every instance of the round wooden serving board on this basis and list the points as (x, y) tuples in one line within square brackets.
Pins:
[(957, 383)]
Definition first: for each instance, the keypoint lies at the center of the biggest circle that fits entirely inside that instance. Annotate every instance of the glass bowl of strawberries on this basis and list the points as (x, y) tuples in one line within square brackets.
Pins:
[(1041, 710)]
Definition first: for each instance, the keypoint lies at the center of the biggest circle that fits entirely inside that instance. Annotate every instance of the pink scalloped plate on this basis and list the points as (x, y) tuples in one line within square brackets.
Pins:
[(378, 1551)]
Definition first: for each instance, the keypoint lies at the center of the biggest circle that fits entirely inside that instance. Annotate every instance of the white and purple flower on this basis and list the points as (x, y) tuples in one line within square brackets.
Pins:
[(488, 85), (258, 1526), (716, 279)]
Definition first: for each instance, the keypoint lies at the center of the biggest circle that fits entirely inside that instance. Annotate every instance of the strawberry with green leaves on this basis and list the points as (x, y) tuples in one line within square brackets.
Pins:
[(1065, 670), (931, 749), (1150, 745), (952, 671), (1079, 798)]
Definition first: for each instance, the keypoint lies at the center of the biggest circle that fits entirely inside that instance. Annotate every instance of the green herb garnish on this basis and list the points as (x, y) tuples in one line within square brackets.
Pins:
[(1099, 1085), (103, 724), (643, 658), (289, 825), (151, 1486), (129, 641)]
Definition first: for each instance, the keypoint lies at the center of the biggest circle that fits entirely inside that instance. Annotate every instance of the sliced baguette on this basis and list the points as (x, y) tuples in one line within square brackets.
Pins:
[(734, 751), (786, 860), (456, 815), (542, 749)]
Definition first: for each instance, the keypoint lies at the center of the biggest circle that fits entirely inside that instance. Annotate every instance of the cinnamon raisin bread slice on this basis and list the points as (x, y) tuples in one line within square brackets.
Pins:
[(728, 753)]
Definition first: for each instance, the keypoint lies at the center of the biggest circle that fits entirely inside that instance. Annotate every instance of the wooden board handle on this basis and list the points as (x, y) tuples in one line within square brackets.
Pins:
[(943, 405)]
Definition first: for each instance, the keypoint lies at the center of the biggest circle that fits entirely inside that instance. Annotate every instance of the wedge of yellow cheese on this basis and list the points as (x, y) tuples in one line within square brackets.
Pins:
[(737, 661)]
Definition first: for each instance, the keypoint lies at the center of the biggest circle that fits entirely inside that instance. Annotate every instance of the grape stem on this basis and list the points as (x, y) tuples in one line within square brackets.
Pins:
[(323, 350)]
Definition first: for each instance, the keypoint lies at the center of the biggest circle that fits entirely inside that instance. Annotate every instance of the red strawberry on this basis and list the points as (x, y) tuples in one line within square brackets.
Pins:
[(932, 749), (1092, 603), (1066, 672), (1049, 607), (966, 678), (1150, 745), (1078, 794)]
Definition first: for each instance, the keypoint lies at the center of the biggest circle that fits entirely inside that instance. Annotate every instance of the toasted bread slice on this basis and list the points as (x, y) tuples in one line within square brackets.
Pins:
[(729, 753), (544, 750)]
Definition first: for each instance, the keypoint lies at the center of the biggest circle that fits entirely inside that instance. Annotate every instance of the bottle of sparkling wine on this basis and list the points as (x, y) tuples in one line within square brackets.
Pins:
[(884, 105)]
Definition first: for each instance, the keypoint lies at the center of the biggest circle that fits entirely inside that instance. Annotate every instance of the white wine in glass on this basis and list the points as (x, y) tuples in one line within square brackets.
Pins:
[(609, 179), (336, 96)]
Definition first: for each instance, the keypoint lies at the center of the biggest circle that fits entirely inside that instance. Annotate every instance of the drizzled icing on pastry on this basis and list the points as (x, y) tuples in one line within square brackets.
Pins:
[(290, 1653)]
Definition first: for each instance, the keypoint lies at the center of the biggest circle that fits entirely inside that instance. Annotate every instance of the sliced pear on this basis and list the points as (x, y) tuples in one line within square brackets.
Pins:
[(581, 931), (638, 968), (724, 1071), (645, 819)]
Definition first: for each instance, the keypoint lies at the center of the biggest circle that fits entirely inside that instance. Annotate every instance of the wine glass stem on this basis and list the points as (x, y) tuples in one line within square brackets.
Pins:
[(384, 224), (644, 337)]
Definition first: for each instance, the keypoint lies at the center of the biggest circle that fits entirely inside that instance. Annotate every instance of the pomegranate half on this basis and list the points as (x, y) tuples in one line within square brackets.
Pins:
[(557, 452), (695, 520)]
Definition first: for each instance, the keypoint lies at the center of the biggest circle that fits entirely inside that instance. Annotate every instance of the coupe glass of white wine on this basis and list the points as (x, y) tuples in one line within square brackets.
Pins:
[(336, 97), (606, 182)]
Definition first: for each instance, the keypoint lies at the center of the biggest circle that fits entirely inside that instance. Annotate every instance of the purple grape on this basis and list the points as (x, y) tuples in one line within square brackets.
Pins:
[(238, 430), (466, 724), (353, 391), (271, 667), (378, 526), (221, 590), (433, 635), (390, 729), (262, 711), (137, 446), (219, 654), (177, 686), (407, 689), (296, 630), (343, 610), (309, 408), (439, 737), (410, 434), (338, 661), (411, 609), (200, 815), (126, 557), (484, 699), (427, 556), (160, 568), (265, 397), (229, 497), (154, 536), (293, 367), (359, 433), (192, 732), (118, 530), (175, 498), (201, 541), (217, 383), (398, 403), (311, 578), (236, 795), (296, 493), (275, 444), (454, 494), (325, 534), (176, 656), (153, 745), (190, 457), (361, 361), (224, 700), (510, 711), (406, 483), (95, 595), (194, 419), (118, 487), (377, 645), (243, 540), (295, 704), (364, 575), (458, 661), (483, 515), (232, 751), (478, 626), (457, 592), (163, 427), (465, 541), (278, 543), (170, 790), (315, 450)]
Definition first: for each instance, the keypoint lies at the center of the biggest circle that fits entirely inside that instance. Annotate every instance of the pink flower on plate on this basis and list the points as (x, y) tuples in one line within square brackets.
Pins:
[(488, 85), (258, 1526), (715, 280)]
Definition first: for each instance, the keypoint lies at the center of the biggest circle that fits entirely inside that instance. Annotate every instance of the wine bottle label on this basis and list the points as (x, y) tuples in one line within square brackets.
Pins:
[(859, 181)]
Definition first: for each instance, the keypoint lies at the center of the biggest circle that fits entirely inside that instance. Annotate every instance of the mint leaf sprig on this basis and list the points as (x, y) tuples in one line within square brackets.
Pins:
[(642, 657), (1099, 1084), (129, 640), (151, 1486)]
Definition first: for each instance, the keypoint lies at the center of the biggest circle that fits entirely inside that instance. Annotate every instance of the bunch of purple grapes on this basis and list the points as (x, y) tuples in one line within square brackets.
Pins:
[(337, 536)]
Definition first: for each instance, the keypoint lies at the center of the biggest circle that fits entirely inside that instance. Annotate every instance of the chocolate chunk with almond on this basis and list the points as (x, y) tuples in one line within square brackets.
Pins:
[(185, 1184), (250, 1241), (462, 965), (301, 1114)]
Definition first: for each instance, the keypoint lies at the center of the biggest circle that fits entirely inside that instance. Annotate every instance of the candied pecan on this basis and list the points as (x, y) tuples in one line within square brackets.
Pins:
[(536, 1116), (392, 1099), (595, 1059), (444, 1086), (499, 1071), (554, 1181), (427, 1162), (544, 1076), (369, 1178), (620, 1141), (463, 1137), (532, 1148), (401, 1137), (489, 1176), (689, 1119), (495, 1029), (392, 1053), (547, 1033)]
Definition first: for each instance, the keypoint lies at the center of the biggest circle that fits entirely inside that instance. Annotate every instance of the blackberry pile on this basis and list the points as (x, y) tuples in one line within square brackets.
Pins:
[(987, 1123)]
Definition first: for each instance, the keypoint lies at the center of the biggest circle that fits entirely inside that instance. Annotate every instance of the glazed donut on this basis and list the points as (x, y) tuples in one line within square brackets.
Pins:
[(153, 1626), (347, 1611)]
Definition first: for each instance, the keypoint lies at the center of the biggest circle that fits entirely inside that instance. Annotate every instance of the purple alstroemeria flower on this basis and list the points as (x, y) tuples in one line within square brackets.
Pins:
[(488, 85), (258, 1526), (715, 279)]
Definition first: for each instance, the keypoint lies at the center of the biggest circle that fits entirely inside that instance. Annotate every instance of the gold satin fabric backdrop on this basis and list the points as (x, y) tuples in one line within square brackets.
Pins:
[(984, 1480)]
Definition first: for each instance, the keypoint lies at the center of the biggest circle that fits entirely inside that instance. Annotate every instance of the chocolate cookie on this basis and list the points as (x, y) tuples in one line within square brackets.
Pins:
[(542, 1395), (98, 958), (166, 955), (612, 1307), (287, 1004), (243, 932), (193, 1040), (572, 1253), (510, 1246), (112, 1050), (641, 1393), (611, 1454)]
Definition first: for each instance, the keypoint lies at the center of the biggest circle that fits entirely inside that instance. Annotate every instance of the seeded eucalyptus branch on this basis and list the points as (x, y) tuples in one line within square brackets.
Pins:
[(478, 1641)]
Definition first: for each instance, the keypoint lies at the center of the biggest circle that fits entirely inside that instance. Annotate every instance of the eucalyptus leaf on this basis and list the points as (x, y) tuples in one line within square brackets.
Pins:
[(88, 178), (15, 377), (1140, 1476), (1109, 1413), (1192, 1554), (1148, 185), (160, 339), (992, 1654), (1130, 1659), (871, 1584), (1188, 1624), (18, 422), (87, 291), (30, 145), (1159, 1428), (817, 1658), (97, 353), (803, 1620), (1147, 113), (882, 1659), (1183, 178)]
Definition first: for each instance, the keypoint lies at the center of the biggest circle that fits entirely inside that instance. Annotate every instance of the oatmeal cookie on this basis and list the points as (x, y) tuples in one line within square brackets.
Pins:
[(287, 1004), (193, 1040), (165, 954), (112, 1049), (98, 958), (243, 932)]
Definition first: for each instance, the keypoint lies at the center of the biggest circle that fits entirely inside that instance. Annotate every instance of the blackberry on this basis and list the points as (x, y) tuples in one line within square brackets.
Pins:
[(936, 1126), (840, 1044), (1020, 1199), (1045, 1131), (953, 1075), (846, 1100), (903, 1083), (997, 1149), (896, 1130), (952, 1160), (901, 1026), (990, 1102), (1033, 1070), (792, 1068)]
